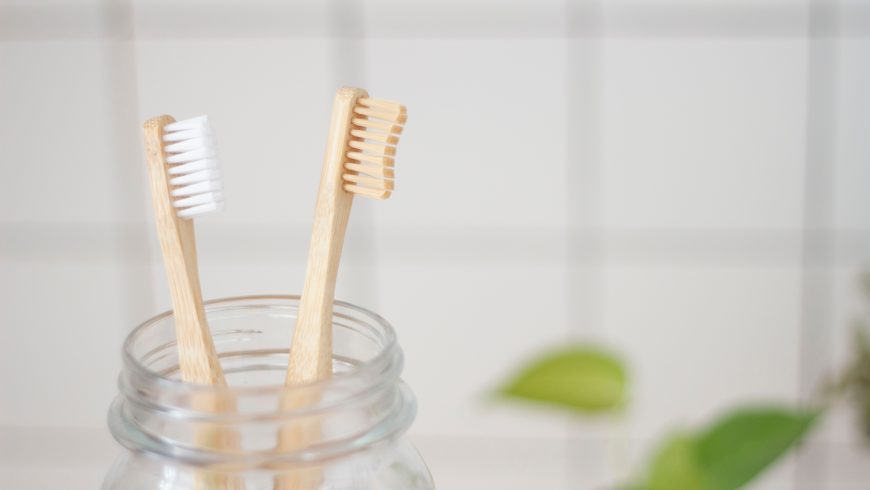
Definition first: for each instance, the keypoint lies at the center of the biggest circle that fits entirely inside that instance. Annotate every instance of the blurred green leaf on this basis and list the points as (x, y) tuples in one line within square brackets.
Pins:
[(580, 378), (675, 466), (738, 447), (729, 453)]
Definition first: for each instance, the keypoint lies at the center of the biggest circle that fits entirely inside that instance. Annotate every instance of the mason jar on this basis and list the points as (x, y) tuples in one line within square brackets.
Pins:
[(179, 435)]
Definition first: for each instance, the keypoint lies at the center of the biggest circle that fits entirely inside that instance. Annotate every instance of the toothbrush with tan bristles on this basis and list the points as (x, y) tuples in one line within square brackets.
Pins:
[(359, 160), (185, 183), (360, 148)]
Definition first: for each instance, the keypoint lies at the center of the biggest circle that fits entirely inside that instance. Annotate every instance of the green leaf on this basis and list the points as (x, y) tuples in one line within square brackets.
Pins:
[(675, 466), (742, 444), (580, 378)]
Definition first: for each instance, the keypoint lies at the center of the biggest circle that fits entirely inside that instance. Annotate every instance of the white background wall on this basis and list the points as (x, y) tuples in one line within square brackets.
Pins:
[(684, 182)]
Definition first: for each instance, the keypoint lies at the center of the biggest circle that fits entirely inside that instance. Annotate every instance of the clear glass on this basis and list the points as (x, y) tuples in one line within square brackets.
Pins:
[(348, 434)]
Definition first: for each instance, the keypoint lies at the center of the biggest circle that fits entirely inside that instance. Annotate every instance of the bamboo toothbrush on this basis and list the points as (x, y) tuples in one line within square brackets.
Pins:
[(359, 155), (358, 161), (185, 183)]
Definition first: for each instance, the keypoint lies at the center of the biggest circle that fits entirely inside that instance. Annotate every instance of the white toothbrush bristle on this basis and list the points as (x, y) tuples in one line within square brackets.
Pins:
[(195, 178)]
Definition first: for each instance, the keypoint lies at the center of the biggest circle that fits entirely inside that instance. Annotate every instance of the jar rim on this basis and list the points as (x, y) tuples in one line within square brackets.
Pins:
[(374, 365), (153, 408)]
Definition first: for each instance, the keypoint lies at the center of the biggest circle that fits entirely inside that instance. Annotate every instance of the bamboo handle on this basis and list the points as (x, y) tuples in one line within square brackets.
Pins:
[(311, 352), (197, 357)]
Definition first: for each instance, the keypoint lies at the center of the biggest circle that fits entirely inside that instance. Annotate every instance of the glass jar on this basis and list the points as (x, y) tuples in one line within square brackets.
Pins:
[(187, 436)]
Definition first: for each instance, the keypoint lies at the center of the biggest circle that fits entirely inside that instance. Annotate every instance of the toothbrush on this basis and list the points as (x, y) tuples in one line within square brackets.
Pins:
[(359, 161), (185, 183), (360, 148)]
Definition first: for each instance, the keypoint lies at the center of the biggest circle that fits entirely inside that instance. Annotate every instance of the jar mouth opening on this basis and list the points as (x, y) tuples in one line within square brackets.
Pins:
[(364, 402), (374, 366)]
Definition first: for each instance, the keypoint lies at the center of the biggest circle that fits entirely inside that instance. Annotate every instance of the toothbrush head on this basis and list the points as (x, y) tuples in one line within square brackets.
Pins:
[(192, 166), (374, 132)]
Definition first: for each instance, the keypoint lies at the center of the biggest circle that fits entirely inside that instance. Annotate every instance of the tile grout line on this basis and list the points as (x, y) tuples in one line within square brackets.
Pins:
[(435, 245), (119, 48), (816, 283), (632, 20), (569, 266), (584, 207)]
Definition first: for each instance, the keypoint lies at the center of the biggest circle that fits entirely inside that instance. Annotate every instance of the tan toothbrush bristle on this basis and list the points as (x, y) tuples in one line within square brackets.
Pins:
[(398, 117), (390, 105), (371, 135), (389, 128), (375, 148), (375, 159), (383, 172), (374, 133)]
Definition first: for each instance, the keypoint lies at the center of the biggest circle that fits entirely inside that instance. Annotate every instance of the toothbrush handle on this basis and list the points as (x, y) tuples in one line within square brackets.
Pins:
[(197, 357), (311, 351)]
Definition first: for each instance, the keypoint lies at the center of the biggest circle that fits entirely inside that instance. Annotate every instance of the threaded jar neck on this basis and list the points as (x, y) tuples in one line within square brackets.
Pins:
[(364, 403)]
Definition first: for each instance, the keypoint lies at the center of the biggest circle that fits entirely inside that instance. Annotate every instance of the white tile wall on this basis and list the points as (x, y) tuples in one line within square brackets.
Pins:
[(475, 19), (62, 327), (680, 130), (851, 199), (204, 19), (485, 320), (699, 339), (712, 138), (264, 99), (40, 477), (485, 140), (55, 132), (499, 462)]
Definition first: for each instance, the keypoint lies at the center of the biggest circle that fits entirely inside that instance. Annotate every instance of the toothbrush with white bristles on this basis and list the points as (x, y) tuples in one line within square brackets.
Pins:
[(185, 183)]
